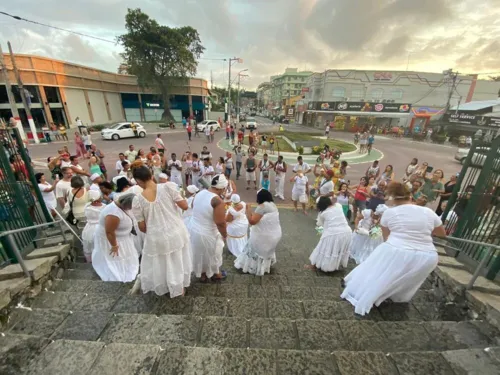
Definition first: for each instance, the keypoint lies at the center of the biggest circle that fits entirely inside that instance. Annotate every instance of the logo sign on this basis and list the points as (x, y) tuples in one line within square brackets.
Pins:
[(342, 106), (290, 111), (153, 105), (379, 107), (382, 76), (470, 119), (360, 107), (305, 89)]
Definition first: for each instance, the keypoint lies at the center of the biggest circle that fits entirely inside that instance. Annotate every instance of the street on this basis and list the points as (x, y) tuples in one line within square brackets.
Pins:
[(397, 152)]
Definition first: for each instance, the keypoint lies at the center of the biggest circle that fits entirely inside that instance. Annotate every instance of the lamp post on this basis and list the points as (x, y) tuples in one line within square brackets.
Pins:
[(238, 97), (231, 60)]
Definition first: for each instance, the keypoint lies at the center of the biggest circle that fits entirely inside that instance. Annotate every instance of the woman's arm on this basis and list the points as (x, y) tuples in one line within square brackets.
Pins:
[(53, 163), (439, 231), (111, 223), (219, 216), (385, 232), (142, 226), (229, 218), (252, 217), (182, 204)]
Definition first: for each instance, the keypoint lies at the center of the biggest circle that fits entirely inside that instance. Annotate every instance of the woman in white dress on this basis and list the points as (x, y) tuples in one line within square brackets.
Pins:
[(47, 191), (78, 198), (92, 213), (360, 235), (114, 257), (398, 267), (237, 226), (208, 230), (191, 192), (166, 257), (332, 250), (265, 234)]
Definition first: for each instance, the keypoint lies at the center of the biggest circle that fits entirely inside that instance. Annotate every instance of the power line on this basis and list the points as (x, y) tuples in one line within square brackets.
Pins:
[(56, 28)]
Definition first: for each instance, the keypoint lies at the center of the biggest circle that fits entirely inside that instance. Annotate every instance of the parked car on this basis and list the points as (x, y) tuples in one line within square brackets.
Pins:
[(478, 158), (202, 125), (251, 123), (122, 130)]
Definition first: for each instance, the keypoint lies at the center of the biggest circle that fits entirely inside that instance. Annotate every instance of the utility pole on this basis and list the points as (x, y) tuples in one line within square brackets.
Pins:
[(238, 97), (23, 96), (10, 96), (453, 76), (228, 116)]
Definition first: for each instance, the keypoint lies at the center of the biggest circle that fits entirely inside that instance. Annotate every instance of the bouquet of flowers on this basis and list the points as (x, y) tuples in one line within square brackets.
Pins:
[(376, 232), (319, 230)]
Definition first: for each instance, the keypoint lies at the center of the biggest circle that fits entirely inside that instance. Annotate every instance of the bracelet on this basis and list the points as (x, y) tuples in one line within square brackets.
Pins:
[(114, 247)]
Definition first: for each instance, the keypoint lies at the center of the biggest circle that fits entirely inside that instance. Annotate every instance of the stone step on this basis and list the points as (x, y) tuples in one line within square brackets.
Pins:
[(36, 267), (57, 240), (63, 357), (61, 251), (11, 287), (263, 333)]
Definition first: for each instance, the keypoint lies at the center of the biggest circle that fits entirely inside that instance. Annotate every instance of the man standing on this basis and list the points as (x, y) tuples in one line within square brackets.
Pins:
[(250, 166), (228, 130), (133, 126), (301, 166), (160, 146), (189, 130), (327, 130), (195, 170), (371, 140), (265, 165), (207, 133), (280, 170), (131, 153), (119, 165), (239, 160), (175, 168), (64, 186)]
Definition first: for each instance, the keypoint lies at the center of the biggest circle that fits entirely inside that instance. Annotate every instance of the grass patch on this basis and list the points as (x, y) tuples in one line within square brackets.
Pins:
[(333, 143)]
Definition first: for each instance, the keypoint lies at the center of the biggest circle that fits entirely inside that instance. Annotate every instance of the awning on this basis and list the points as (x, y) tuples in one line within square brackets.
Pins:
[(366, 114)]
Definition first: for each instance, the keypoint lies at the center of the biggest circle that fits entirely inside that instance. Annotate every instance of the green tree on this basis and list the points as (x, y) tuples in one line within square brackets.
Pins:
[(161, 57)]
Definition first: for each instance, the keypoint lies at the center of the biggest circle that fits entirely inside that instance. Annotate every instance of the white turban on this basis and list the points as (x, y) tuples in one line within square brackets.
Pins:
[(380, 209), (192, 189), (235, 198), (221, 181), (95, 176), (94, 195), (116, 178), (163, 175)]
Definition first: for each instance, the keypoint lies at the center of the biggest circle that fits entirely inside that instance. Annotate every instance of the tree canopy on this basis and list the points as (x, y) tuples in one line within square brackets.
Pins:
[(160, 56)]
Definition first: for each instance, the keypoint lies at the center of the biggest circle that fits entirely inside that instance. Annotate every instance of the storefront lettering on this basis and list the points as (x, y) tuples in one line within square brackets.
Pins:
[(382, 76)]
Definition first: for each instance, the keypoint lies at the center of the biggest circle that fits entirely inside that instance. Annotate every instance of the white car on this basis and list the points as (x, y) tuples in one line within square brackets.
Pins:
[(202, 125), (478, 158), (122, 130), (251, 123)]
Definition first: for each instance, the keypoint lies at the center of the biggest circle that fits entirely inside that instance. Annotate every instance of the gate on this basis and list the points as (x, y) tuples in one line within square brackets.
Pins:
[(473, 209), (21, 202)]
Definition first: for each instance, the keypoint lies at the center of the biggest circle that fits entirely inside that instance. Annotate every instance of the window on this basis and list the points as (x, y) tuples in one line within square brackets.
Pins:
[(338, 92), (357, 93), (397, 94), (289, 79), (52, 94), (377, 94)]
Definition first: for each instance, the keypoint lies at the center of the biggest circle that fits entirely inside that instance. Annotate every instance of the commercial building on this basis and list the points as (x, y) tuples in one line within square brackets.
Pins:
[(387, 98), (286, 85), (61, 91), (468, 118)]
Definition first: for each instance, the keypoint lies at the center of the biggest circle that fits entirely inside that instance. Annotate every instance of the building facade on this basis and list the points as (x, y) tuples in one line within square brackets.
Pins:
[(61, 91), (287, 85), (427, 95)]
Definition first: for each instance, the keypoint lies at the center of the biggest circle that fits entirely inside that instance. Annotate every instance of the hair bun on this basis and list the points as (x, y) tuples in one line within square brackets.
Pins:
[(136, 164)]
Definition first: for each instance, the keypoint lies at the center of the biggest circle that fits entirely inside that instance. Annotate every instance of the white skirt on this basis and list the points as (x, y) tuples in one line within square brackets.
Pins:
[(237, 236), (88, 238), (358, 245), (123, 267), (389, 272), (207, 253), (332, 252), (236, 245), (251, 262)]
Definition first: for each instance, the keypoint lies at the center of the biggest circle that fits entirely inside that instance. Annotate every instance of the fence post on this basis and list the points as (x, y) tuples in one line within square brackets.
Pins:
[(18, 255), (32, 178)]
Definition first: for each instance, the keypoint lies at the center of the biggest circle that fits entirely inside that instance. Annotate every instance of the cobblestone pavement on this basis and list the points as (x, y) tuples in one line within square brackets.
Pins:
[(289, 322)]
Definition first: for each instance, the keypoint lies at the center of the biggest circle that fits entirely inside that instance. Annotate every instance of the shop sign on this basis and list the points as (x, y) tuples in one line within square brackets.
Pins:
[(471, 119), (305, 89), (153, 105), (382, 76), (360, 107)]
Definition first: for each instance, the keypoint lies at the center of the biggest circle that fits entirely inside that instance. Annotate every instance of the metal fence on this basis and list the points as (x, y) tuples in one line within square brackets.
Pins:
[(473, 210), (21, 202)]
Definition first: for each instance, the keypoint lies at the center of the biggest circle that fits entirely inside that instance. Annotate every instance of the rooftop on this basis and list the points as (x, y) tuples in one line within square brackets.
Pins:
[(477, 105)]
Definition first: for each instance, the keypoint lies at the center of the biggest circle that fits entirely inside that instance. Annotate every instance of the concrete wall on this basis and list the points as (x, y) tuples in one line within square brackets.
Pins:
[(115, 106), (77, 106), (215, 115), (98, 105)]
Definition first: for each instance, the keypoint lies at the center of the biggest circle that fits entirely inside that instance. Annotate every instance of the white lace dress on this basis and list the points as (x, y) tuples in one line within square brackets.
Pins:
[(259, 253), (360, 237), (166, 257), (332, 250), (206, 241), (237, 230), (92, 220), (125, 266)]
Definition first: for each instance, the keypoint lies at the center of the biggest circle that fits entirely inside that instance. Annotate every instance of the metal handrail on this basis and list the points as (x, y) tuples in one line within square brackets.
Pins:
[(482, 263)]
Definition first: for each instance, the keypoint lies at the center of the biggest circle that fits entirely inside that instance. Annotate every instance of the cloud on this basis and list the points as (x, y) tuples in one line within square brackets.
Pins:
[(271, 35)]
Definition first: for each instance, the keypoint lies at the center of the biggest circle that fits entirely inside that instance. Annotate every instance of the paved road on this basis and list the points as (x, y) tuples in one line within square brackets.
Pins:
[(395, 152)]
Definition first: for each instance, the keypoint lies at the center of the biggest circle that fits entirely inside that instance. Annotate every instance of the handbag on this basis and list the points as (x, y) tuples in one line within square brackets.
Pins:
[(70, 217)]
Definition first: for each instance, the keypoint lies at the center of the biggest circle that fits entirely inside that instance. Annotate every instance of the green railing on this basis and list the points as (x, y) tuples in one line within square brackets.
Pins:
[(21, 202), (475, 206)]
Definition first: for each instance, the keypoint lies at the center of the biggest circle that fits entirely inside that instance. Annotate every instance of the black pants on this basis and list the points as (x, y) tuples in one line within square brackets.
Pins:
[(189, 135), (238, 168)]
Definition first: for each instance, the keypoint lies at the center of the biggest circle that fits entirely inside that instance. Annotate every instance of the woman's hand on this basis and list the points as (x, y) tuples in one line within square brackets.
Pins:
[(113, 251)]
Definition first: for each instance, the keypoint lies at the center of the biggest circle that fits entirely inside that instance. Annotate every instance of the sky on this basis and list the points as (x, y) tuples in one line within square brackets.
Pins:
[(271, 35)]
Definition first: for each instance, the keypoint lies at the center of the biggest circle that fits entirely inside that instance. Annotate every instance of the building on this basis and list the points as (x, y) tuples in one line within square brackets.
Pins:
[(468, 118), (263, 95), (391, 98), (61, 91), (286, 85)]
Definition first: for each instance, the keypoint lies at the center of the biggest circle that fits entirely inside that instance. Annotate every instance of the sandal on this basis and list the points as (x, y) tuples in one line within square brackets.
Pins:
[(223, 276)]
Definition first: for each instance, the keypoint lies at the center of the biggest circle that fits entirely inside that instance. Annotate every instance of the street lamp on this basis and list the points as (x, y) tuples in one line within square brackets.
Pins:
[(238, 100)]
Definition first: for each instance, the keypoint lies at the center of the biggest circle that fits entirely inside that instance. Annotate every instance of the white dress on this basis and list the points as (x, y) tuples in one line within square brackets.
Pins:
[(237, 230), (48, 196), (206, 242), (398, 267), (188, 214), (166, 258), (332, 250), (360, 237), (260, 252), (139, 238), (92, 220), (123, 267)]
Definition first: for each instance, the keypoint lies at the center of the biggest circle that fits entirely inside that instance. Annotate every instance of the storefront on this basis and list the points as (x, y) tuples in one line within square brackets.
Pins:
[(357, 115), (463, 124)]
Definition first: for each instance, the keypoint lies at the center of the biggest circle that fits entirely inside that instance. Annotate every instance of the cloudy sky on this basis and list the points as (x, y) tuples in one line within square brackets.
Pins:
[(270, 35)]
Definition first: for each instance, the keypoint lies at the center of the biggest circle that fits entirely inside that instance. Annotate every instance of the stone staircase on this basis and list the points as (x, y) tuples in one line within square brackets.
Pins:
[(289, 322)]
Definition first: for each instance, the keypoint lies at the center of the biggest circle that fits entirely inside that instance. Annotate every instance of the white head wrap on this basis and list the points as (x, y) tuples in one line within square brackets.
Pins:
[(95, 176), (94, 195), (235, 198), (192, 189), (380, 209), (116, 178), (222, 182), (366, 213), (163, 175)]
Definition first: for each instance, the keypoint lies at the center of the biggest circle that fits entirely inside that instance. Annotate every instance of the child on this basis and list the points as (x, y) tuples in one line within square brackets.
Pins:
[(363, 223), (368, 234), (92, 212), (265, 180)]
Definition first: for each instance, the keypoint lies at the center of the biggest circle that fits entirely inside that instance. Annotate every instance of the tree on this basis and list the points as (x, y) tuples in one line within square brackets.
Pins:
[(495, 78), (161, 57)]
